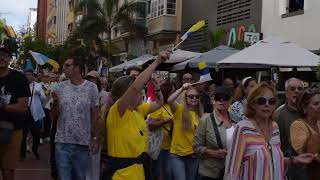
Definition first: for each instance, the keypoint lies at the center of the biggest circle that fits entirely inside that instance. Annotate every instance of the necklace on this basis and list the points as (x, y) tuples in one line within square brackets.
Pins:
[(266, 135)]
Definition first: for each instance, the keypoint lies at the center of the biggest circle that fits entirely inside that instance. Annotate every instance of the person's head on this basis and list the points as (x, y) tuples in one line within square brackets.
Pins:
[(293, 87), (93, 76), (133, 71), (120, 86), (5, 57), (167, 88), (308, 103), (74, 67), (222, 99), (30, 75), (192, 97), (244, 88), (228, 83), (158, 78), (104, 83), (261, 102), (187, 78), (203, 87), (191, 101)]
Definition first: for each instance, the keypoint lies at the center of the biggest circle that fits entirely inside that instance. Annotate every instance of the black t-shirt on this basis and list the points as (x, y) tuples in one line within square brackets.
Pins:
[(12, 87)]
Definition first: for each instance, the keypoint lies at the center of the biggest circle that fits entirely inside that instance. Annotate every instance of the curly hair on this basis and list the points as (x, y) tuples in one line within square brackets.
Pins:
[(304, 99)]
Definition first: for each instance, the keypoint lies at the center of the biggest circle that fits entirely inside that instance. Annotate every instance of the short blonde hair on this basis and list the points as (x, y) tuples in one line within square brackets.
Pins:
[(256, 91)]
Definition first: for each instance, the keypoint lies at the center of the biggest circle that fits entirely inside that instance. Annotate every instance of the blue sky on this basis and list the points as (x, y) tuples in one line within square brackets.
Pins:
[(17, 11)]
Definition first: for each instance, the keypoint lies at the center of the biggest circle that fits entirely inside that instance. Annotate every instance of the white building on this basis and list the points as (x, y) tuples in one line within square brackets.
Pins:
[(292, 20)]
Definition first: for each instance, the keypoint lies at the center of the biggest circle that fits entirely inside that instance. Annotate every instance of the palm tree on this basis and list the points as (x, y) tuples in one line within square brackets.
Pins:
[(99, 19)]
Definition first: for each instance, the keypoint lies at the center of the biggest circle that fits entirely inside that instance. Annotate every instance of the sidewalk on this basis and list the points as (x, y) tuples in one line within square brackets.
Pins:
[(32, 169)]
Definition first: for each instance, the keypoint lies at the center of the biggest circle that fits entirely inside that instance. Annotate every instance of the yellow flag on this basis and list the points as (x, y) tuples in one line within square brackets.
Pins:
[(197, 26)]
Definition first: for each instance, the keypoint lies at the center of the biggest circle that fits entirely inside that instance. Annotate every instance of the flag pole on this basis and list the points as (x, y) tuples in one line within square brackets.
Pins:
[(176, 46)]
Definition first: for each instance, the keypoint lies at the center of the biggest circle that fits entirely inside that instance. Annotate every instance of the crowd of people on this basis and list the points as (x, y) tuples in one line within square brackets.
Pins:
[(146, 126)]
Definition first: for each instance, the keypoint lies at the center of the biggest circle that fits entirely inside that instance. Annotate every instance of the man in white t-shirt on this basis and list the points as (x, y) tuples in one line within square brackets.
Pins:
[(76, 101)]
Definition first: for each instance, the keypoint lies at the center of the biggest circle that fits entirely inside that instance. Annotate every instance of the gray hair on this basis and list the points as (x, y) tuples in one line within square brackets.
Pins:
[(286, 85)]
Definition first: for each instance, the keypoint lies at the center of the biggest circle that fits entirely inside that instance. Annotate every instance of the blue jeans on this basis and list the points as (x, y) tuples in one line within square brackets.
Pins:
[(184, 167), (72, 161), (161, 167)]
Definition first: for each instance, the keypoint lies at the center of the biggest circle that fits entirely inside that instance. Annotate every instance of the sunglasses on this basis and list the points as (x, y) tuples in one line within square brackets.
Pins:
[(67, 65), (299, 88), (191, 96), (190, 79), (222, 97), (263, 100)]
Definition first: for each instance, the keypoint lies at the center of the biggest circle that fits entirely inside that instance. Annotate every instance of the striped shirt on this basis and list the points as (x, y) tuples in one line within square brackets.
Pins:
[(251, 157)]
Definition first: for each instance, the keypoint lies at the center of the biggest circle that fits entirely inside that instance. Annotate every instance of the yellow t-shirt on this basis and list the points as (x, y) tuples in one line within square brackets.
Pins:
[(125, 139), (181, 140), (162, 114)]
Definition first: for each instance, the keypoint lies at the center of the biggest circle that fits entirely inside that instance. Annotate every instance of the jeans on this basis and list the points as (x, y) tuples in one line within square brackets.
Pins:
[(184, 167), (161, 167), (72, 161)]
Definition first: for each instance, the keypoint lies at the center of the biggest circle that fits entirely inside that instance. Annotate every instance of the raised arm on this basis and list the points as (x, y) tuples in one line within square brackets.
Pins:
[(175, 95), (126, 100)]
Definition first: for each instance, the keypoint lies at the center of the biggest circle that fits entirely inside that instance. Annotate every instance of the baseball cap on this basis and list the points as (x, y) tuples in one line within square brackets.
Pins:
[(94, 74)]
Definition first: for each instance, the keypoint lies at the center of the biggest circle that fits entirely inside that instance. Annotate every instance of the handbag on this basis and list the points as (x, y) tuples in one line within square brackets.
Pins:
[(155, 138), (218, 138)]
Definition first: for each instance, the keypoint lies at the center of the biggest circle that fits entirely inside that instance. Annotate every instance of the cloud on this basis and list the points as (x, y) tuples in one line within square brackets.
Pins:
[(17, 10)]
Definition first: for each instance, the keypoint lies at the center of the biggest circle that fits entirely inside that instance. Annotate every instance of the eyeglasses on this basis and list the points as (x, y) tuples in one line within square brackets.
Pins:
[(189, 79), (292, 88), (222, 97), (67, 65), (191, 96), (263, 100)]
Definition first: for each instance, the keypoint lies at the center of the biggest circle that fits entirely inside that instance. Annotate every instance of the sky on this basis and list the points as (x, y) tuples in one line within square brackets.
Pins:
[(17, 12)]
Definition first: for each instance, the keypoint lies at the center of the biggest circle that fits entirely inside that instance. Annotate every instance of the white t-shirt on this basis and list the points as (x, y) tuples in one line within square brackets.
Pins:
[(75, 103)]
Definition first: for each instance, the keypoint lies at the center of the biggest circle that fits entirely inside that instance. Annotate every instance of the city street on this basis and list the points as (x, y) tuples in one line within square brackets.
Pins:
[(31, 169)]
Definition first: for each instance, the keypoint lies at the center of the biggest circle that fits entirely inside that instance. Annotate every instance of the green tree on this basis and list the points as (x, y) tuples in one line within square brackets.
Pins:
[(99, 19)]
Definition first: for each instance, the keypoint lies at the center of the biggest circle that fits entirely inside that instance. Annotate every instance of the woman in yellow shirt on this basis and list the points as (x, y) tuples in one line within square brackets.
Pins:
[(126, 127), (186, 119), (163, 118)]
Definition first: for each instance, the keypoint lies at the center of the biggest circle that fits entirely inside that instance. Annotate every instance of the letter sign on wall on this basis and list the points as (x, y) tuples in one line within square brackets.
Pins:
[(251, 37)]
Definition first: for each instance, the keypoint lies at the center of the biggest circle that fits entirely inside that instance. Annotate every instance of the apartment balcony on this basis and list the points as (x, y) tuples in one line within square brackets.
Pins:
[(163, 28)]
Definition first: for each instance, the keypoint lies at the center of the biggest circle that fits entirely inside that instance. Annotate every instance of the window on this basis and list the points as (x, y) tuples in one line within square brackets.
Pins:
[(141, 9), (149, 7), (171, 6), (162, 7), (295, 5)]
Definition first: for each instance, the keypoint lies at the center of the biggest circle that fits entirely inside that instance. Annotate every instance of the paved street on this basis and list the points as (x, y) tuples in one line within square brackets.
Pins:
[(31, 169)]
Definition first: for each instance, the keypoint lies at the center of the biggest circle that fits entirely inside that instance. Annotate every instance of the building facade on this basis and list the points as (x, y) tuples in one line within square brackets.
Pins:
[(51, 35), (163, 24), (61, 20), (41, 26), (296, 21), (228, 19)]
